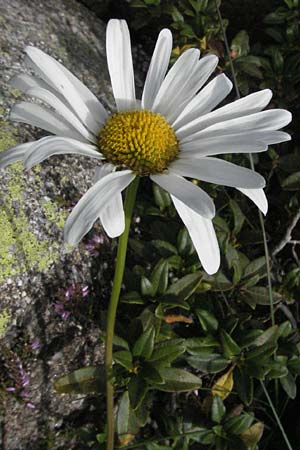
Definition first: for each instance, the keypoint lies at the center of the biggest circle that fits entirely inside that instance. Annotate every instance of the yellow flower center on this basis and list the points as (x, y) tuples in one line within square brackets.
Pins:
[(139, 140)]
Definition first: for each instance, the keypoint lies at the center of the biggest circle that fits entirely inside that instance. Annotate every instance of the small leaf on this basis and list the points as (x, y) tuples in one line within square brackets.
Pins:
[(230, 347), (160, 276), (151, 374), (161, 197), (147, 288), (218, 409), (123, 414), (292, 182), (82, 381), (137, 389), (244, 385), (259, 295), (132, 297), (270, 335), (167, 351), (238, 424), (184, 243), (207, 320), (253, 435), (145, 343), (212, 363), (223, 386), (240, 44), (289, 385), (198, 344), (256, 266), (184, 287), (124, 358), (260, 354), (238, 216), (178, 380), (164, 248)]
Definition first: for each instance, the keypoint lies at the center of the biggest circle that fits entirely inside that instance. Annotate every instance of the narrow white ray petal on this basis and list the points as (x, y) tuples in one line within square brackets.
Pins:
[(158, 68), (175, 80), (24, 82), (254, 141), (203, 236), (189, 87), (14, 154), (250, 104), (218, 171), (216, 146), (204, 102), (190, 194), (90, 206), (53, 101), (79, 97), (119, 60), (258, 197), (46, 119), (52, 145), (112, 217)]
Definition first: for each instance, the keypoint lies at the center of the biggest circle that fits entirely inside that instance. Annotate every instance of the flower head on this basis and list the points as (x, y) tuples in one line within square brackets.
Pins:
[(172, 133)]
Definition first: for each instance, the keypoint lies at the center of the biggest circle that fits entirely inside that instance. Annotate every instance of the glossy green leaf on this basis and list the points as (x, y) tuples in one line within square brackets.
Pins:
[(243, 383), (123, 414), (184, 243), (137, 389), (218, 409), (208, 321), (209, 363), (132, 297), (230, 347), (184, 287), (292, 182), (178, 380), (164, 248), (124, 358), (238, 216), (167, 351), (270, 335), (143, 347), (160, 276), (161, 197), (147, 288), (82, 381), (238, 424), (289, 385)]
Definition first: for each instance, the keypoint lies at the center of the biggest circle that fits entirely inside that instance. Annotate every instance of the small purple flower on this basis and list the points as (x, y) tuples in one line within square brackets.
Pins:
[(85, 291), (11, 389), (30, 405), (35, 344)]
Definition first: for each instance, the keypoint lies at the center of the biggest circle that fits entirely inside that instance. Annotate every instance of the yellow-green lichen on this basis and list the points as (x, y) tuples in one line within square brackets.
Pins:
[(53, 214), (4, 321), (20, 249)]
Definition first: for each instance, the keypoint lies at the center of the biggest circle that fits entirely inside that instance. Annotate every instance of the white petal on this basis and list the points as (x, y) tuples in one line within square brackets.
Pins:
[(112, 217), (247, 105), (40, 117), (189, 86), (217, 146), (175, 81), (258, 197), (119, 60), (14, 154), (90, 206), (24, 82), (80, 98), (207, 99), (190, 194), (254, 141), (51, 99), (218, 171), (52, 145), (203, 236), (158, 68)]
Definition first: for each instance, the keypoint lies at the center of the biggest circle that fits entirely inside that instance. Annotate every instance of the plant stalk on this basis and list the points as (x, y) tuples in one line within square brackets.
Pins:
[(112, 309)]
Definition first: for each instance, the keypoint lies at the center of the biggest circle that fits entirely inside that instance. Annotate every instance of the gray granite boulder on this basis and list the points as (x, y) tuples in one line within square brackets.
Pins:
[(36, 340)]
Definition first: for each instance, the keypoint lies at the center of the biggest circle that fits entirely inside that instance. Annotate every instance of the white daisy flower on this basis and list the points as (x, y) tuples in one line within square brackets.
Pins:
[(172, 133)]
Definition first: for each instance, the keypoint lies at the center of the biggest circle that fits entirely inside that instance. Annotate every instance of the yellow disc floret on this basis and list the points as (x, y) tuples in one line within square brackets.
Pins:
[(142, 141)]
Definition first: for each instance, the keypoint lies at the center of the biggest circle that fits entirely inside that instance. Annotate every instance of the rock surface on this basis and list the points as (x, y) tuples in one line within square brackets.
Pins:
[(35, 265)]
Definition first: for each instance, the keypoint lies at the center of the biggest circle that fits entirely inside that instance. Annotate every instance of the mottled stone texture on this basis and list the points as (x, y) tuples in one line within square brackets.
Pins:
[(34, 262)]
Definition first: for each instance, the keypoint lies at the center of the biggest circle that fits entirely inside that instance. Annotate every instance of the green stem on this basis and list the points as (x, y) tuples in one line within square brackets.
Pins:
[(112, 309), (276, 416)]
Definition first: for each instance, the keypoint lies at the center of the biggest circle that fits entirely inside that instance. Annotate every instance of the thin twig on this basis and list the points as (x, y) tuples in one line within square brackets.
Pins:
[(287, 238)]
